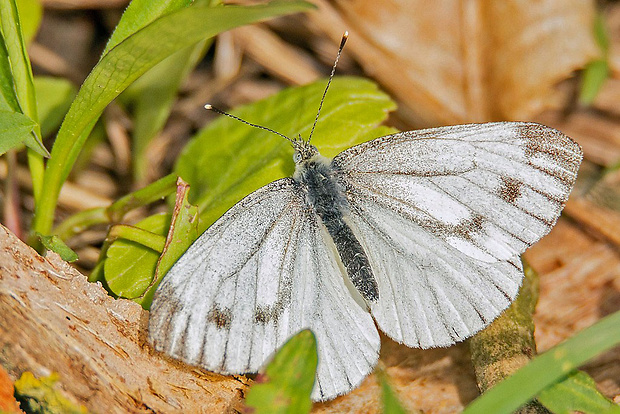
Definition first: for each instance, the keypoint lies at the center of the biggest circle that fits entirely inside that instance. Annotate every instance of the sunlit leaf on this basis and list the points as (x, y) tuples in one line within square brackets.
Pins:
[(55, 244), (129, 266), (287, 382), (15, 129), (30, 12)]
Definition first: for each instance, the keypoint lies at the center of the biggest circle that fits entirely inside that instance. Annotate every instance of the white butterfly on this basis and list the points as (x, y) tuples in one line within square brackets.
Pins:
[(420, 231)]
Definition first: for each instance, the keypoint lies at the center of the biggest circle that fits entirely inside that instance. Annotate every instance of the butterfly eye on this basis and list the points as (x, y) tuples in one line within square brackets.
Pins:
[(296, 157)]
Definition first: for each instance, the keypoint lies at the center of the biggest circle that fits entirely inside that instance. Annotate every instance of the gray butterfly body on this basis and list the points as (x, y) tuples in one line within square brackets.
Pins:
[(418, 231)]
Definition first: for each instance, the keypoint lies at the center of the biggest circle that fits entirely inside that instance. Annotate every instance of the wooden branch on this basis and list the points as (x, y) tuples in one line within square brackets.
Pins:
[(54, 320)]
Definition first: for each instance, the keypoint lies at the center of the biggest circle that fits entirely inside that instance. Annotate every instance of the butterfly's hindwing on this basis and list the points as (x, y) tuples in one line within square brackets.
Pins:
[(260, 274)]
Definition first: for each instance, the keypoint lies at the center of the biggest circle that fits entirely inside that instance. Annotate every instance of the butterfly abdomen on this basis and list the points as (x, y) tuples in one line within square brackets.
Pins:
[(325, 195)]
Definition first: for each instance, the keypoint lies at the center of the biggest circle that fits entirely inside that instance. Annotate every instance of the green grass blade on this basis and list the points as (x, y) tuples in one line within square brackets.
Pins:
[(20, 63), (549, 368), (125, 63), (577, 393)]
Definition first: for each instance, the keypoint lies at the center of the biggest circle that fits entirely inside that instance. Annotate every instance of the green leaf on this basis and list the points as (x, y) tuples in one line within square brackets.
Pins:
[(228, 159), (8, 95), (549, 368), (15, 48), (577, 393), (593, 77), (183, 231), (287, 383), (129, 266), (16, 90), (15, 129), (54, 97), (43, 396), (139, 14), (55, 244), (597, 71), (30, 12), (125, 63)]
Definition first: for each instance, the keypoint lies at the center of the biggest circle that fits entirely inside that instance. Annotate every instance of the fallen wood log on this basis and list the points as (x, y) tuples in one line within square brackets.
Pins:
[(54, 320)]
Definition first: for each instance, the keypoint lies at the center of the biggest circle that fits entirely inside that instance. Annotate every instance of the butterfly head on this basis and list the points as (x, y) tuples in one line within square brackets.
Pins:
[(303, 150)]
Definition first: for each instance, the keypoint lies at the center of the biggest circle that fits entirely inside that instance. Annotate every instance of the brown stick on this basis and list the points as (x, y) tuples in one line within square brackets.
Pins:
[(53, 320)]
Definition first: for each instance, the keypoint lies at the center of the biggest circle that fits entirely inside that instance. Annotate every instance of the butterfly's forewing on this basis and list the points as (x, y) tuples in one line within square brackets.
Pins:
[(443, 215), (260, 274)]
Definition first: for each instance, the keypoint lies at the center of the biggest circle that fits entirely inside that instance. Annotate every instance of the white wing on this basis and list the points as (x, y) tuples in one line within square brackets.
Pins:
[(443, 215), (260, 274)]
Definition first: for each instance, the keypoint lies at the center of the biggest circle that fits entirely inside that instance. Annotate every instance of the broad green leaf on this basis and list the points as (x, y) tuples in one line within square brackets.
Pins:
[(125, 63), (30, 12), (183, 230), (287, 382), (15, 49), (549, 368), (41, 395), (15, 129), (228, 159), (54, 97), (55, 244), (129, 266), (140, 13), (577, 393)]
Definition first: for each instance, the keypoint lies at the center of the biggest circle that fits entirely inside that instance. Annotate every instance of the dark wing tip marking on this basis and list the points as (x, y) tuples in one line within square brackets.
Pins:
[(553, 144)]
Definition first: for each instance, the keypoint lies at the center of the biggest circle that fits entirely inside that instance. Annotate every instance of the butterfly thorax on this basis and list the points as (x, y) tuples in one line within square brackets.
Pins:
[(320, 181)]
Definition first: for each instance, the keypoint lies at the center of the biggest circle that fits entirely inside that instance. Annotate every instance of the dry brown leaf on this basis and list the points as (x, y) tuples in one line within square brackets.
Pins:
[(456, 61)]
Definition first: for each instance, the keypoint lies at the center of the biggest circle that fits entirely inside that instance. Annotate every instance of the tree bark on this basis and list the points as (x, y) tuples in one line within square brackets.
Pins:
[(54, 320)]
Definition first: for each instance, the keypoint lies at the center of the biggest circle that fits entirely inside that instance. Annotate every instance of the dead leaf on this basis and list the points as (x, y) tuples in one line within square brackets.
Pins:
[(456, 61)]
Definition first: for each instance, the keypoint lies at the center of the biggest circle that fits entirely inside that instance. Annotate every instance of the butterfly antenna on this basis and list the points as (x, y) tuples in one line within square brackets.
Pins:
[(345, 36), (219, 111)]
